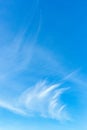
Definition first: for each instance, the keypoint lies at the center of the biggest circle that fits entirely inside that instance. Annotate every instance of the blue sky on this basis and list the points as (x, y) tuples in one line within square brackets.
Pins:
[(43, 67)]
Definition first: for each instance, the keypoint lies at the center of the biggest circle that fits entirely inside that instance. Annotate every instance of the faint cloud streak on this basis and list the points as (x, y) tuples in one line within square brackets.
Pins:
[(44, 99)]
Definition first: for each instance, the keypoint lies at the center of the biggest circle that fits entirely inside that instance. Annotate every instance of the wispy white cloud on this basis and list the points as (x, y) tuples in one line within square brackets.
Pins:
[(44, 99)]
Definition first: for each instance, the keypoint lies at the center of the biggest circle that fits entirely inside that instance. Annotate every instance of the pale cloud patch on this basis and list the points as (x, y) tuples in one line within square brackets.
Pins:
[(44, 99)]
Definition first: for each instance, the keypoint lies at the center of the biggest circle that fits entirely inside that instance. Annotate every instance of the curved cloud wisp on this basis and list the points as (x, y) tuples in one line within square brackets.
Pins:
[(44, 99)]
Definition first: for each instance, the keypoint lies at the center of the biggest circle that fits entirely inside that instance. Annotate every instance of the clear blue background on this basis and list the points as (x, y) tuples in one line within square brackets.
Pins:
[(43, 40)]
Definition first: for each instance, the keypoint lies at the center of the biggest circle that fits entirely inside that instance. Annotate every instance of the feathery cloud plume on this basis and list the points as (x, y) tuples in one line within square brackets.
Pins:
[(44, 99)]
